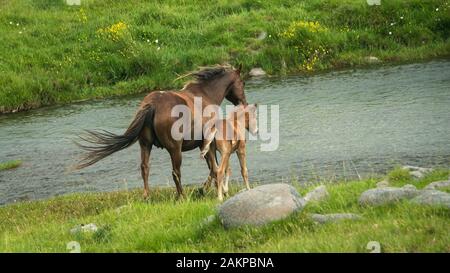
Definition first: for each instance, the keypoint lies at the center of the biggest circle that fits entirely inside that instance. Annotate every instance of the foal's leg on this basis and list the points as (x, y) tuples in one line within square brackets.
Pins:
[(207, 142), (227, 178), (243, 163), (146, 149), (212, 165), (175, 155), (220, 173), (210, 178)]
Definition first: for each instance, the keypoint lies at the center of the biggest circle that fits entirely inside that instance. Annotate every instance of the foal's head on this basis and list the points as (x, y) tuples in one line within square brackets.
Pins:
[(247, 114)]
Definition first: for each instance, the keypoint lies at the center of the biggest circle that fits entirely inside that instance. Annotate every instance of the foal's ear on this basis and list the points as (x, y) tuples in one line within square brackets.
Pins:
[(238, 70)]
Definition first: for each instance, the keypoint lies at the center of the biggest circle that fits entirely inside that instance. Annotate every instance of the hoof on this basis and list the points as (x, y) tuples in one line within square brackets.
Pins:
[(145, 195)]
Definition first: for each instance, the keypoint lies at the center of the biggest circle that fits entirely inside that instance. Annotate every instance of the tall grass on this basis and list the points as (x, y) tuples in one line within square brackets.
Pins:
[(53, 53)]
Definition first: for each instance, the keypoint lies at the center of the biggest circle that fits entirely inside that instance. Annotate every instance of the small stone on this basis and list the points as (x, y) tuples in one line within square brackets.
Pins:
[(387, 195), (437, 185), (262, 35), (417, 172), (119, 209), (372, 59), (383, 184), (409, 187), (334, 217), (318, 194), (257, 72), (260, 205), (84, 228), (208, 220), (433, 198), (374, 2)]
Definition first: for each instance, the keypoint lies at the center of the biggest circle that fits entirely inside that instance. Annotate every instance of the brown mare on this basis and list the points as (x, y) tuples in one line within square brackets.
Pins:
[(153, 121), (227, 137)]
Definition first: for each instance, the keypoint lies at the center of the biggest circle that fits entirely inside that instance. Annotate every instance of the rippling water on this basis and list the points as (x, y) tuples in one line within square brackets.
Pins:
[(334, 125)]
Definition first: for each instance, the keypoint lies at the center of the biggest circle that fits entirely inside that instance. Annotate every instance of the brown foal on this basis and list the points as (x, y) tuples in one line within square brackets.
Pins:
[(153, 121), (227, 137)]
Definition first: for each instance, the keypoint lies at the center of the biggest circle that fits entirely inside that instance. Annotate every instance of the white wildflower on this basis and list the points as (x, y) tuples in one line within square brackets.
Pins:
[(156, 41)]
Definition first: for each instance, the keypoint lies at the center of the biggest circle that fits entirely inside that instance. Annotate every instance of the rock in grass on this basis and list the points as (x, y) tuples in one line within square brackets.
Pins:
[(387, 195), (262, 35), (433, 198), (417, 172), (260, 205), (257, 72), (208, 220), (334, 217), (437, 185), (372, 60), (84, 228), (383, 184), (318, 194)]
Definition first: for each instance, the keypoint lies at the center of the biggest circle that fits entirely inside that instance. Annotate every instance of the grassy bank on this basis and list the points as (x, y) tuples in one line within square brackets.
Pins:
[(162, 224), (53, 53)]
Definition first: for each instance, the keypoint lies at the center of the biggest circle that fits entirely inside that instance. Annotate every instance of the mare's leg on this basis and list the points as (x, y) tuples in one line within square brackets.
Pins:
[(175, 155), (146, 148), (243, 163)]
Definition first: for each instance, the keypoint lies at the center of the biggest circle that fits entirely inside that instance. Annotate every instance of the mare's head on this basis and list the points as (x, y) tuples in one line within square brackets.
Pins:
[(223, 82), (235, 93)]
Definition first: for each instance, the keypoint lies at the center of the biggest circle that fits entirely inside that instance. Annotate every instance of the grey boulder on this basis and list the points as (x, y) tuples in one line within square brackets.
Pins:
[(433, 198), (387, 195), (260, 205), (334, 217)]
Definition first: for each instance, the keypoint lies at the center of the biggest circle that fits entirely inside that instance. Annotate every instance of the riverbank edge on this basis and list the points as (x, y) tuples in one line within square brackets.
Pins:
[(349, 60), (127, 223)]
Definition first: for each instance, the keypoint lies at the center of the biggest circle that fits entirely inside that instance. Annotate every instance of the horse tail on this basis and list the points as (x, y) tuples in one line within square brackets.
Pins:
[(106, 143)]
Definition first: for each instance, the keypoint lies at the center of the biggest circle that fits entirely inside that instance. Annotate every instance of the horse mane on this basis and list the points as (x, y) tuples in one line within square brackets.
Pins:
[(206, 74)]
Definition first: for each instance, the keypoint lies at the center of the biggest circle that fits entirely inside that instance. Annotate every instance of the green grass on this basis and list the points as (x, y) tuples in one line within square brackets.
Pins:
[(53, 53), (399, 175), (10, 164), (163, 224)]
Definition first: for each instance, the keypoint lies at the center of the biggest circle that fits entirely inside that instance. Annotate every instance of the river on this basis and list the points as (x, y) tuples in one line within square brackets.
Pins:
[(336, 125)]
